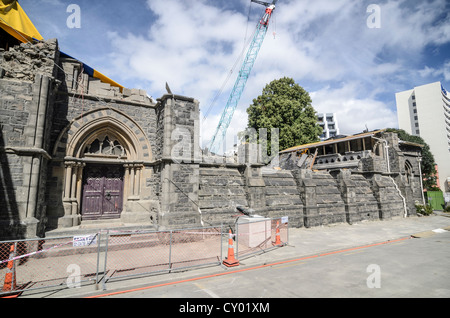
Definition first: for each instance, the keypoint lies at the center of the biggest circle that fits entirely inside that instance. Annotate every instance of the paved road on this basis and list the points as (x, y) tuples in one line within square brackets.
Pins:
[(412, 267)]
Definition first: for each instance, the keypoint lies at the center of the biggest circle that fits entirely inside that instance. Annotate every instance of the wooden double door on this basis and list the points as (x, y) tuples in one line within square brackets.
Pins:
[(102, 192)]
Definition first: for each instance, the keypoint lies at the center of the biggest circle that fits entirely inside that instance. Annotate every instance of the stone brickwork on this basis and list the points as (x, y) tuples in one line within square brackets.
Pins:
[(321, 198), (221, 191), (282, 196), (360, 202), (389, 198), (26, 91), (25, 61)]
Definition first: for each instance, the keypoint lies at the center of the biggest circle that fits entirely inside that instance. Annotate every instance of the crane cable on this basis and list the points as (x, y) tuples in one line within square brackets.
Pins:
[(246, 45)]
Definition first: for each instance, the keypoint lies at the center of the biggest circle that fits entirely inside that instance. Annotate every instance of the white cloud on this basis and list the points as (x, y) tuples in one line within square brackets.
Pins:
[(430, 72), (208, 129), (191, 46), (353, 114)]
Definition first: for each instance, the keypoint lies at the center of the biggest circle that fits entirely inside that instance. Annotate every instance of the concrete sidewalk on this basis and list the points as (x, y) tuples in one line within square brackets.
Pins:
[(302, 242)]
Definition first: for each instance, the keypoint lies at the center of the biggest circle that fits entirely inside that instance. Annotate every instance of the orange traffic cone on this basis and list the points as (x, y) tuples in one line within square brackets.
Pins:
[(230, 261), (10, 277), (277, 237)]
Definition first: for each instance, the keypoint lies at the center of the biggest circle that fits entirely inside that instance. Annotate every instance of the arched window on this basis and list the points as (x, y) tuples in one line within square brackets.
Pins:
[(105, 146), (408, 171)]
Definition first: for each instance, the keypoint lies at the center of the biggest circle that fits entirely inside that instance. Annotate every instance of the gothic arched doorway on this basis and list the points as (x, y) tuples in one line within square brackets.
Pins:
[(104, 155), (103, 184)]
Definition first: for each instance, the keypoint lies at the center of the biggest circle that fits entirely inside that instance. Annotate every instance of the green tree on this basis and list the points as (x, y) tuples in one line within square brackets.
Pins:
[(427, 164), (287, 106)]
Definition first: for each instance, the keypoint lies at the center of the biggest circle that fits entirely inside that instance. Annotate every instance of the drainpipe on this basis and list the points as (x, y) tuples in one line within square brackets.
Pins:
[(403, 198), (420, 178)]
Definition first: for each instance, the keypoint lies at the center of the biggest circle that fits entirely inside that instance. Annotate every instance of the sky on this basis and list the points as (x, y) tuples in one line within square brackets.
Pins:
[(352, 56)]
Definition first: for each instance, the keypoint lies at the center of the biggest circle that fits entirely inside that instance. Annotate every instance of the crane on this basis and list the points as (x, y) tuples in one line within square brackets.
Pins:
[(243, 75)]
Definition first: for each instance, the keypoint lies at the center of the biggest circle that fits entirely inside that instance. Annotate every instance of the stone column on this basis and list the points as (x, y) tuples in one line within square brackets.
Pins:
[(69, 201), (77, 184), (307, 189), (137, 184), (136, 210), (255, 187), (132, 173), (347, 187), (67, 178)]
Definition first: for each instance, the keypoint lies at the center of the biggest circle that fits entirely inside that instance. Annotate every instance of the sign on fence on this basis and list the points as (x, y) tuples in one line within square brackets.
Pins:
[(84, 240)]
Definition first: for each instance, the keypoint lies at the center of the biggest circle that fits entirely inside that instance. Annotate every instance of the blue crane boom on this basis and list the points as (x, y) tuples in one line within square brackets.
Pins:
[(243, 75)]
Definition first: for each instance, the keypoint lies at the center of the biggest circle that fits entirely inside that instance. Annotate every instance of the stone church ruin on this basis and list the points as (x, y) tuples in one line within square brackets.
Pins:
[(75, 150)]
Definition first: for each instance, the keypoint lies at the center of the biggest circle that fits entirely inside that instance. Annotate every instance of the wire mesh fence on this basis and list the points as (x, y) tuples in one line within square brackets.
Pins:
[(161, 251), (42, 263), (72, 261)]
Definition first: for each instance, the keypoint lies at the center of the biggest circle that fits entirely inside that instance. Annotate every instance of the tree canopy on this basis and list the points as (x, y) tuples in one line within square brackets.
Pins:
[(285, 105)]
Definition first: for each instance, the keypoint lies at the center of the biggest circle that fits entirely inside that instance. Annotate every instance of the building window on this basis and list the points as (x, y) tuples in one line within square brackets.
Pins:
[(408, 171), (105, 147)]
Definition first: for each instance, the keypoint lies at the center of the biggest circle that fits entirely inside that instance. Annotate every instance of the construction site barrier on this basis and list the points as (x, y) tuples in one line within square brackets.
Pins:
[(260, 235), (97, 258)]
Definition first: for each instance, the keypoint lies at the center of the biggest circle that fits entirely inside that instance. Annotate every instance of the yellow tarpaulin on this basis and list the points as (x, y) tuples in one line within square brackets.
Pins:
[(16, 22)]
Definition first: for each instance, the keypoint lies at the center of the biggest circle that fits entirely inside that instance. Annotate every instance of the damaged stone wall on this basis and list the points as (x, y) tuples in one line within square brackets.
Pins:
[(360, 202), (27, 86), (23, 62), (282, 197), (221, 191), (321, 198)]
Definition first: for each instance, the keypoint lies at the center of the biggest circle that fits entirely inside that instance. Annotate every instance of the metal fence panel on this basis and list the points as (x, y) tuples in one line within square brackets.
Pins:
[(67, 262), (50, 262), (130, 254), (161, 251), (196, 247)]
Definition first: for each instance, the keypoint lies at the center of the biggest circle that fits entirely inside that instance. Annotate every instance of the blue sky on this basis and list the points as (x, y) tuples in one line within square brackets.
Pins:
[(326, 46)]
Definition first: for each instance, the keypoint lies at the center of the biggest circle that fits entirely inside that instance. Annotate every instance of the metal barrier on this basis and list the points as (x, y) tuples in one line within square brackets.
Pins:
[(161, 251), (49, 262), (73, 261), (256, 235)]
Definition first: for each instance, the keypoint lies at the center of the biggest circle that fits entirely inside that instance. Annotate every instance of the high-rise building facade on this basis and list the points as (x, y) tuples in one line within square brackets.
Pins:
[(329, 124), (425, 111)]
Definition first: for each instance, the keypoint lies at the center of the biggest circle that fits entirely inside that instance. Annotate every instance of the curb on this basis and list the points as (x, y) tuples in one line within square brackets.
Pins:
[(430, 233)]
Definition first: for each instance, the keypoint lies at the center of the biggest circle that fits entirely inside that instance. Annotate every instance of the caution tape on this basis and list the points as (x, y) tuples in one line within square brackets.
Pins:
[(125, 233), (45, 250)]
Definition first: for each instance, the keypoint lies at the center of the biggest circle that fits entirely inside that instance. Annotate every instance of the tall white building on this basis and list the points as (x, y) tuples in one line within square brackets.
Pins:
[(329, 124), (425, 111)]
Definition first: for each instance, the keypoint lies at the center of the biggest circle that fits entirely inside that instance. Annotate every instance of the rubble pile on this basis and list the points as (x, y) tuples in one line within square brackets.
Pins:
[(24, 61)]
